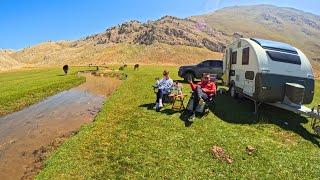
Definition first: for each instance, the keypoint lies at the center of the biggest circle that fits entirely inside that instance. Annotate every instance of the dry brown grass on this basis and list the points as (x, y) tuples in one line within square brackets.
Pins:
[(7, 62), (60, 54)]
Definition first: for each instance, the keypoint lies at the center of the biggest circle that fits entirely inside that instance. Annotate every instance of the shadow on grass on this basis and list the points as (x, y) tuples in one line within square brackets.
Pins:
[(240, 111), (165, 110), (184, 116)]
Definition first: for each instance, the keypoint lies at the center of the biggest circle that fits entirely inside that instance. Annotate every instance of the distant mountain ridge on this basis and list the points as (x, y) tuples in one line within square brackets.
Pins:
[(169, 30), (173, 40), (289, 25)]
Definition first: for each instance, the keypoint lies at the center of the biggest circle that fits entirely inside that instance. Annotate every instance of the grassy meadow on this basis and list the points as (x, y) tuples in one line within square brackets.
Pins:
[(24, 87), (129, 140)]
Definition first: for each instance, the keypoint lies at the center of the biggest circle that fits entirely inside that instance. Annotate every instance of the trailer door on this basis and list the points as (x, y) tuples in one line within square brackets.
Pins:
[(233, 55), (249, 74), (248, 87)]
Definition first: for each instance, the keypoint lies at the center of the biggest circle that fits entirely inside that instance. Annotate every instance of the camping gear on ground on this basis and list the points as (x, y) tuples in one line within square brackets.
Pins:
[(177, 88), (270, 72), (178, 101)]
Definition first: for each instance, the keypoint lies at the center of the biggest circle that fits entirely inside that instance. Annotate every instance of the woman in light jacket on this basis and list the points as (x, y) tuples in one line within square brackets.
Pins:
[(164, 87)]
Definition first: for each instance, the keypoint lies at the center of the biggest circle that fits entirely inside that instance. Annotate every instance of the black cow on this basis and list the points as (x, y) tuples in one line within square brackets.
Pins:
[(65, 69), (136, 67)]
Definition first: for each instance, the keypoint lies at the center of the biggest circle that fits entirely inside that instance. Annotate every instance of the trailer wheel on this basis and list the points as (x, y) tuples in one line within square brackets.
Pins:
[(232, 91)]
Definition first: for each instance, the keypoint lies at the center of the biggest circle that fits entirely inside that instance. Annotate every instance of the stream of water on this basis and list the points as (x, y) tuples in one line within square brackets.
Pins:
[(21, 133)]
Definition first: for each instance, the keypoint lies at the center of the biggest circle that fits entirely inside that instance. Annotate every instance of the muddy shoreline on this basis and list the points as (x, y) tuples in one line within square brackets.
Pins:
[(41, 154), (28, 136)]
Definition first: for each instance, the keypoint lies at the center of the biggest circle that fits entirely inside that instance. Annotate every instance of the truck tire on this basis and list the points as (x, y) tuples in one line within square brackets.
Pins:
[(188, 76)]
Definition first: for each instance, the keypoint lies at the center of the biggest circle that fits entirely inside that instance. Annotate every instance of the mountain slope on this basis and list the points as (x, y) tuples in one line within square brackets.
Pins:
[(289, 25), (7, 62)]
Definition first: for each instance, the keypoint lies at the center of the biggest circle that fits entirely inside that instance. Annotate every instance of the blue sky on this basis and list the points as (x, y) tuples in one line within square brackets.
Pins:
[(28, 22)]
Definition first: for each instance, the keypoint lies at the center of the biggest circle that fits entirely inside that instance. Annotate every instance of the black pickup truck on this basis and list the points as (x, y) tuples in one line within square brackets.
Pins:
[(195, 71)]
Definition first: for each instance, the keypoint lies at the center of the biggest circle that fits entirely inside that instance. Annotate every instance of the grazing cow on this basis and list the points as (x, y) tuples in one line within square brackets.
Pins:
[(65, 69), (123, 67), (136, 67)]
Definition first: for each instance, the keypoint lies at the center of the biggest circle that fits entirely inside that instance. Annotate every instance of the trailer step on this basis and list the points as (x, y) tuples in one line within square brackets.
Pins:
[(313, 113)]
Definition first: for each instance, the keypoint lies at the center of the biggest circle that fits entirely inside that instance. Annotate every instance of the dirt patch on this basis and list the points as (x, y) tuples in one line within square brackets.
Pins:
[(250, 150), (41, 154), (220, 154)]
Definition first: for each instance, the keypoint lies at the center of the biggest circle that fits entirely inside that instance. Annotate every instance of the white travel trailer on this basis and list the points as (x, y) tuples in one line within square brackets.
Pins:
[(270, 72), (265, 71)]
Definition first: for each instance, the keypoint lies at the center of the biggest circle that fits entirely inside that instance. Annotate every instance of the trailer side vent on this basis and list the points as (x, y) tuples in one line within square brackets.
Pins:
[(294, 93)]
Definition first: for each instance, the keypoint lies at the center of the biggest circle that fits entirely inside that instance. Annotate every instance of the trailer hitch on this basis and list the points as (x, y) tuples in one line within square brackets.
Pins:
[(316, 119)]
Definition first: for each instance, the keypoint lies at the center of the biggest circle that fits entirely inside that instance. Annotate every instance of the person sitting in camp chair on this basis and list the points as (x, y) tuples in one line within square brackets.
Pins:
[(164, 86), (202, 92)]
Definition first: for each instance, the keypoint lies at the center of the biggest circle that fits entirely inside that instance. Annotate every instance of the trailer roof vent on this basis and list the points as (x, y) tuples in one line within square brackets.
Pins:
[(275, 45)]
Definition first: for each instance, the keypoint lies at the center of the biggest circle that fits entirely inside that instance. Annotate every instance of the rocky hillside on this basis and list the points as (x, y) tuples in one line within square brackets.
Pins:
[(169, 30)]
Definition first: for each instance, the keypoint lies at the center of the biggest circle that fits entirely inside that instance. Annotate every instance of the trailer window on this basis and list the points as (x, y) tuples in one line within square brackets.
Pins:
[(245, 56), (249, 75), (284, 57), (233, 57)]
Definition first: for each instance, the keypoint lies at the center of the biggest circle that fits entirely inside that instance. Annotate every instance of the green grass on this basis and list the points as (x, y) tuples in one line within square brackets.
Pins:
[(316, 99), (130, 140), (21, 88)]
